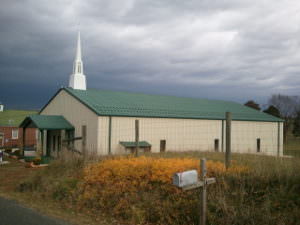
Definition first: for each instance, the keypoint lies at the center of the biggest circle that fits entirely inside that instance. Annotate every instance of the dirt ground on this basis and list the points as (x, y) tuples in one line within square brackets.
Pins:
[(12, 174)]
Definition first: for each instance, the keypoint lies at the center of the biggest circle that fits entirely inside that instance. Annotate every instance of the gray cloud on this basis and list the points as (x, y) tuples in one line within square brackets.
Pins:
[(233, 50)]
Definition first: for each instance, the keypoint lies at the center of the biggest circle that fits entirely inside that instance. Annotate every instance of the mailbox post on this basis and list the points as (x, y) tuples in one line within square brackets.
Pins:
[(188, 180), (203, 193)]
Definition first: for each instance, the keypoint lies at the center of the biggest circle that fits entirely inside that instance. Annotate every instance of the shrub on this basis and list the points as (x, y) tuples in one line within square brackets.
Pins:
[(17, 153), (138, 188), (37, 161)]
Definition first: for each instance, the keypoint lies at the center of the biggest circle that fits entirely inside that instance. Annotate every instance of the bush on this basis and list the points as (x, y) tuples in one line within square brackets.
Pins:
[(17, 153), (37, 161), (139, 188)]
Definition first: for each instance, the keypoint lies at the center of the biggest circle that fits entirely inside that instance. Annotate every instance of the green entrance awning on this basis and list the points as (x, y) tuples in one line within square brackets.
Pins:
[(131, 144), (47, 122)]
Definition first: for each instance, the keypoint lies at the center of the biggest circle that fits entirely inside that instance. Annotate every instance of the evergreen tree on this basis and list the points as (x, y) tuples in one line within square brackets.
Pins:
[(272, 110), (252, 104)]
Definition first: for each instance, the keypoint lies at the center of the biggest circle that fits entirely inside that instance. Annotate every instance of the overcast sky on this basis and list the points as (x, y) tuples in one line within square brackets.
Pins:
[(217, 49)]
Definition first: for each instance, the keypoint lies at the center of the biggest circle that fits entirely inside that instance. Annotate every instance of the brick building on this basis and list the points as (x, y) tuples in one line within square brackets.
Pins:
[(11, 136)]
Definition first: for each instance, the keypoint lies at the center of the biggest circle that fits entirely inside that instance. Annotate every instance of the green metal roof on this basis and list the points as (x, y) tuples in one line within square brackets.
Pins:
[(13, 118), (47, 122), (112, 103), (131, 144)]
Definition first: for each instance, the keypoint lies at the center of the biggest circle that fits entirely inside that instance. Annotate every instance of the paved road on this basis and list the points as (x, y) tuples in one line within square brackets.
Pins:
[(11, 213)]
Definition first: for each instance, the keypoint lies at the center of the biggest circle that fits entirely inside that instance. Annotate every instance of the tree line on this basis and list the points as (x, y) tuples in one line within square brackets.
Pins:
[(285, 107)]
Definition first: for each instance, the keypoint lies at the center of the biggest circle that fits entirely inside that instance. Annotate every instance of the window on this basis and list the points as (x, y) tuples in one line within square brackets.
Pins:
[(162, 145), (79, 67), (258, 144), (216, 145), (15, 134)]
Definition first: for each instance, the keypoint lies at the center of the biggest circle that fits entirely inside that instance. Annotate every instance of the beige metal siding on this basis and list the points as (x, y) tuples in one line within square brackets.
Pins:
[(180, 134), (246, 133), (78, 115), (189, 134)]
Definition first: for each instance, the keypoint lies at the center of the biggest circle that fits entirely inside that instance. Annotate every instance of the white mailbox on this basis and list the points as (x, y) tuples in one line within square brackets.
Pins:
[(185, 178)]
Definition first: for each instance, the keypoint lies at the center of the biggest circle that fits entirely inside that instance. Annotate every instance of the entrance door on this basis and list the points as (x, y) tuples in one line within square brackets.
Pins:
[(1, 139), (162, 145)]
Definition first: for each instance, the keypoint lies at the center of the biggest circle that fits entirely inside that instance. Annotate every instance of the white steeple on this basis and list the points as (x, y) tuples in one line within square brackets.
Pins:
[(77, 79)]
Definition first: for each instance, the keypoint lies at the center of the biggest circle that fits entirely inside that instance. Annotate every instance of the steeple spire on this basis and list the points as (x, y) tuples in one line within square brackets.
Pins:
[(77, 79), (78, 50)]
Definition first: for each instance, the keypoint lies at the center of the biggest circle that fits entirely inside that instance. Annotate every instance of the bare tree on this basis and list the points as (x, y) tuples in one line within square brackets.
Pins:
[(288, 107)]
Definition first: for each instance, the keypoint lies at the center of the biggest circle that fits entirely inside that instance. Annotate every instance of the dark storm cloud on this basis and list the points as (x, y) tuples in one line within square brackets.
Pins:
[(234, 50)]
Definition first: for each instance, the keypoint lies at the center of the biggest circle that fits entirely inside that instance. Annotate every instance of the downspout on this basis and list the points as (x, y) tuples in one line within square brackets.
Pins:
[(222, 142), (109, 135)]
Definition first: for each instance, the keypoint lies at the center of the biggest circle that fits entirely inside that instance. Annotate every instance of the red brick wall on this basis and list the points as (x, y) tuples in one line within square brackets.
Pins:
[(9, 142)]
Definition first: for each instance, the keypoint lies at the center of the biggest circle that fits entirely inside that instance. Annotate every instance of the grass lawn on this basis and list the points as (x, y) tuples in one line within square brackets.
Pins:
[(14, 117), (292, 147)]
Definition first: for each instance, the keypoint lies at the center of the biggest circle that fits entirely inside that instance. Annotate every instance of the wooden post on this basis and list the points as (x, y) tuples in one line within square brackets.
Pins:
[(83, 132), (23, 141), (228, 140), (136, 137), (44, 151), (62, 144), (180, 178), (203, 193), (72, 142), (278, 140)]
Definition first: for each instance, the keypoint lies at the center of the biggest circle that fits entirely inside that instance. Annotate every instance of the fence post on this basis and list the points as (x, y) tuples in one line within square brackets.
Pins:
[(136, 137), (83, 131), (203, 193), (228, 140), (278, 139), (23, 141)]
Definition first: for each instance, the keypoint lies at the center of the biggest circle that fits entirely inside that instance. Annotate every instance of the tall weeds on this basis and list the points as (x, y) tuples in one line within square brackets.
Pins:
[(261, 190)]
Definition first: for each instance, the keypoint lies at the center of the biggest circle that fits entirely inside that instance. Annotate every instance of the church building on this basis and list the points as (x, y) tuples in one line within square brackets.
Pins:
[(103, 122)]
